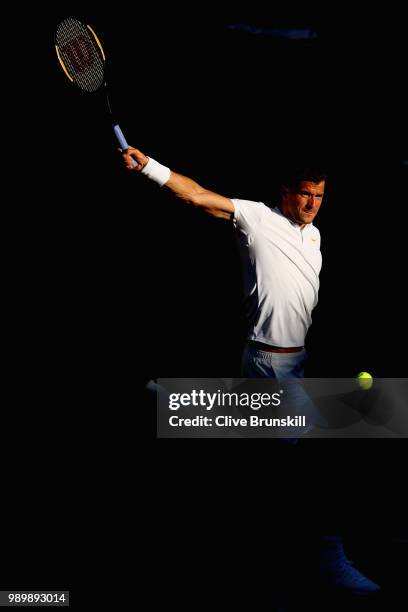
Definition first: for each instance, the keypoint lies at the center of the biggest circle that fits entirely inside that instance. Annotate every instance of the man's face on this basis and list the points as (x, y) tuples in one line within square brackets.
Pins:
[(302, 204)]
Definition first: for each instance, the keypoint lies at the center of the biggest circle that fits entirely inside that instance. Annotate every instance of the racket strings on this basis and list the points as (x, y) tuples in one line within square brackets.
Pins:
[(80, 54)]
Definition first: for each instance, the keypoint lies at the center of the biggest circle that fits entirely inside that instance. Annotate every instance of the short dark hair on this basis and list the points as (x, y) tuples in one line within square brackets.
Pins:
[(294, 175)]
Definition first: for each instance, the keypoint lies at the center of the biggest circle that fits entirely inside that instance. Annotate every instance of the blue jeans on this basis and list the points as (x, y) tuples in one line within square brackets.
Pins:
[(288, 369)]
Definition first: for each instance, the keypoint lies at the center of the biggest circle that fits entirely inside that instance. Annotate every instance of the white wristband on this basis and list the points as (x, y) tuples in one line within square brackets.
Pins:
[(156, 172)]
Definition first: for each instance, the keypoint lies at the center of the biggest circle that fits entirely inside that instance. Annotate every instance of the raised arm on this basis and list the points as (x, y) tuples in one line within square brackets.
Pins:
[(181, 186)]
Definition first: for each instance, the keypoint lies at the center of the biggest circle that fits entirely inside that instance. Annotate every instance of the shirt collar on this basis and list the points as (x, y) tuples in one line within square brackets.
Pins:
[(292, 223)]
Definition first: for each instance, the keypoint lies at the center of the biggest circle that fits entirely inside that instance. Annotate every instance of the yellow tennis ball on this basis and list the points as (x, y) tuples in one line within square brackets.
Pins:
[(365, 380)]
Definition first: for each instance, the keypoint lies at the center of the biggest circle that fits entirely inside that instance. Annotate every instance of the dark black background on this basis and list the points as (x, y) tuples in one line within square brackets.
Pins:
[(108, 276), (227, 108)]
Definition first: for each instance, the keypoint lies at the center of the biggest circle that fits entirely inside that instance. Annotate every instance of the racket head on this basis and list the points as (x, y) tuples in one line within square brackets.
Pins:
[(80, 54)]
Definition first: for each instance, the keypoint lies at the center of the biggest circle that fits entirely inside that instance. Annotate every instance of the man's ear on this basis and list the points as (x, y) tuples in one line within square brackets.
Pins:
[(284, 191)]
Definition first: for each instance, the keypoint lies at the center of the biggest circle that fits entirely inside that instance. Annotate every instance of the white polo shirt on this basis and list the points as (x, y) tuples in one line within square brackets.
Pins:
[(281, 265)]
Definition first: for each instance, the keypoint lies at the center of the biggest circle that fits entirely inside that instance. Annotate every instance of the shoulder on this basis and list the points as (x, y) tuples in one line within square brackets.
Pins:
[(248, 210), (315, 235), (249, 204), (315, 231)]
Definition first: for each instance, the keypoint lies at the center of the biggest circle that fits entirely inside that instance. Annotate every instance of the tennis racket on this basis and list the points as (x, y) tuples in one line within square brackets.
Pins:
[(82, 58)]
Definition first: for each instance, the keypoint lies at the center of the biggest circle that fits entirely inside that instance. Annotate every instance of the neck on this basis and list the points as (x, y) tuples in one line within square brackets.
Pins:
[(285, 214)]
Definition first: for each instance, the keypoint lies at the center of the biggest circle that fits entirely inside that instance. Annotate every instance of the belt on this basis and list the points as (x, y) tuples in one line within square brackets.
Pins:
[(275, 349)]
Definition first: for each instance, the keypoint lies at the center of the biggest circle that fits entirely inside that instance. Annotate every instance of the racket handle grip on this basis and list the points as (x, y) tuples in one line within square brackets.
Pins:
[(122, 141)]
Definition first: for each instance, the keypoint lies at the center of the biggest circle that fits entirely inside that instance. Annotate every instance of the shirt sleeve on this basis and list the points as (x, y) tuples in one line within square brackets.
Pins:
[(247, 217)]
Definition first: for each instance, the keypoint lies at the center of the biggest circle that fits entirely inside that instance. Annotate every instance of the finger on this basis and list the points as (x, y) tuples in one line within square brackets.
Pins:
[(132, 164)]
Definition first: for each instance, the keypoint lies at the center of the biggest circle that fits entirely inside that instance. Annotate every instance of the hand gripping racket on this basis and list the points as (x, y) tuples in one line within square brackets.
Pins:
[(82, 59)]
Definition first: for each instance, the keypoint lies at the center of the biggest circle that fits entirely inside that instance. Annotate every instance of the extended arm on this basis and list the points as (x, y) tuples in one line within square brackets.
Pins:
[(181, 186)]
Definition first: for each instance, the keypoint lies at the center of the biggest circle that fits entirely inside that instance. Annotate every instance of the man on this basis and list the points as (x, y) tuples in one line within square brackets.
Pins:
[(281, 260)]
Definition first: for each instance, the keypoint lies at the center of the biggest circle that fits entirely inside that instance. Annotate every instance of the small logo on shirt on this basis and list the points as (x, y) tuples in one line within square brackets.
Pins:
[(314, 239)]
